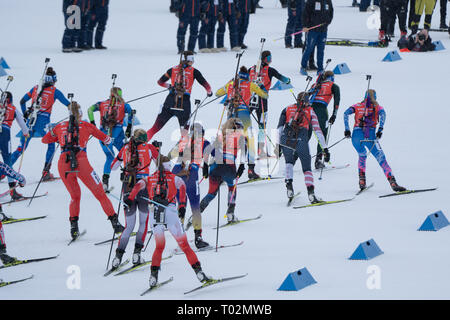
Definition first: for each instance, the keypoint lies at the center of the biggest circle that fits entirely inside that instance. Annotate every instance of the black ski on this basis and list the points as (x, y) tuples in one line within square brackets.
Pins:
[(19, 262), (259, 179), (330, 168), (107, 273), (438, 30), (158, 285), (239, 221), (7, 283), (406, 192), (292, 198), (78, 237), (50, 180), (178, 251), (351, 43), (137, 266), (366, 188), (14, 220), (133, 234), (322, 203), (215, 281), (24, 198)]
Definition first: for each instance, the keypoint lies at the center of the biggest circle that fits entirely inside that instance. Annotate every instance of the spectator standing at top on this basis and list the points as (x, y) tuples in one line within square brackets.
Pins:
[(98, 18), (316, 12), (71, 41), (243, 17), (420, 7), (188, 13), (294, 23), (443, 4)]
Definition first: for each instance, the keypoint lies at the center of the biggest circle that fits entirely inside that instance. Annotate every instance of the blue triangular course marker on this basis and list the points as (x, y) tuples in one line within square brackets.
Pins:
[(434, 222), (392, 56), (366, 251), (439, 45), (3, 63), (281, 86), (341, 68), (2, 72), (297, 280)]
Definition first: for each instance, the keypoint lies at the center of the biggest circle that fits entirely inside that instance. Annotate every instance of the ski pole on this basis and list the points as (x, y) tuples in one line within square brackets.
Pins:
[(148, 241), (218, 216), (326, 142), (112, 238), (42, 177), (293, 34), (146, 96), (331, 146)]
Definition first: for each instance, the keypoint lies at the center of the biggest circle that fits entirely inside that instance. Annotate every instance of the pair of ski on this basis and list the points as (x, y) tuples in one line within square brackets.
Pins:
[(206, 284), (352, 43), (178, 251), (232, 223), (24, 198), (132, 268), (321, 203), (20, 262)]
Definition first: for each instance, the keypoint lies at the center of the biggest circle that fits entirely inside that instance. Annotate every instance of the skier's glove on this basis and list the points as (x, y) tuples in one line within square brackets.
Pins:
[(332, 119), (347, 134), (181, 212), (93, 122), (209, 94), (128, 131), (128, 202), (205, 170), (326, 158), (240, 170), (379, 133)]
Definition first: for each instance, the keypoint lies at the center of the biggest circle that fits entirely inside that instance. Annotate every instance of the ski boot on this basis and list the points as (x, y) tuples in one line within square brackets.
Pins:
[(153, 276), (236, 49), (46, 174), (74, 232), (137, 259), (199, 243), (289, 188), (115, 223), (118, 258), (105, 181), (230, 213), (6, 259), (252, 175), (13, 193), (311, 196), (394, 184), (201, 276), (443, 25), (318, 164), (362, 180)]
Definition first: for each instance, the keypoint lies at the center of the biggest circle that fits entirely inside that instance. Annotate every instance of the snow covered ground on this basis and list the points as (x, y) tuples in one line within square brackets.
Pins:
[(141, 41)]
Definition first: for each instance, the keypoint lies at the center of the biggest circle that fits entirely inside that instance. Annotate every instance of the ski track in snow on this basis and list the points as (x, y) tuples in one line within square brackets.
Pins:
[(141, 41)]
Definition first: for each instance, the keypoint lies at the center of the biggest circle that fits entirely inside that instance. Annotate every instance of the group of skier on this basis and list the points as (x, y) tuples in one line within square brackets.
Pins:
[(221, 160)]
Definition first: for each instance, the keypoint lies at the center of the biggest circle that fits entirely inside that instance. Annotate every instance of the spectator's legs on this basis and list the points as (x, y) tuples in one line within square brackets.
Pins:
[(193, 33)]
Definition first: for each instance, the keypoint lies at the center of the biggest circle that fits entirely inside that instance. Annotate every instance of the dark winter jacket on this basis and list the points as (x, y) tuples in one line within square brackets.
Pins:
[(317, 12)]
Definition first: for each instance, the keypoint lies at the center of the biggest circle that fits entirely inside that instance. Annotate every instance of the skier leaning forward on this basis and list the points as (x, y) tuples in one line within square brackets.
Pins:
[(162, 188), (83, 131), (368, 113), (293, 126), (225, 153), (136, 156)]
